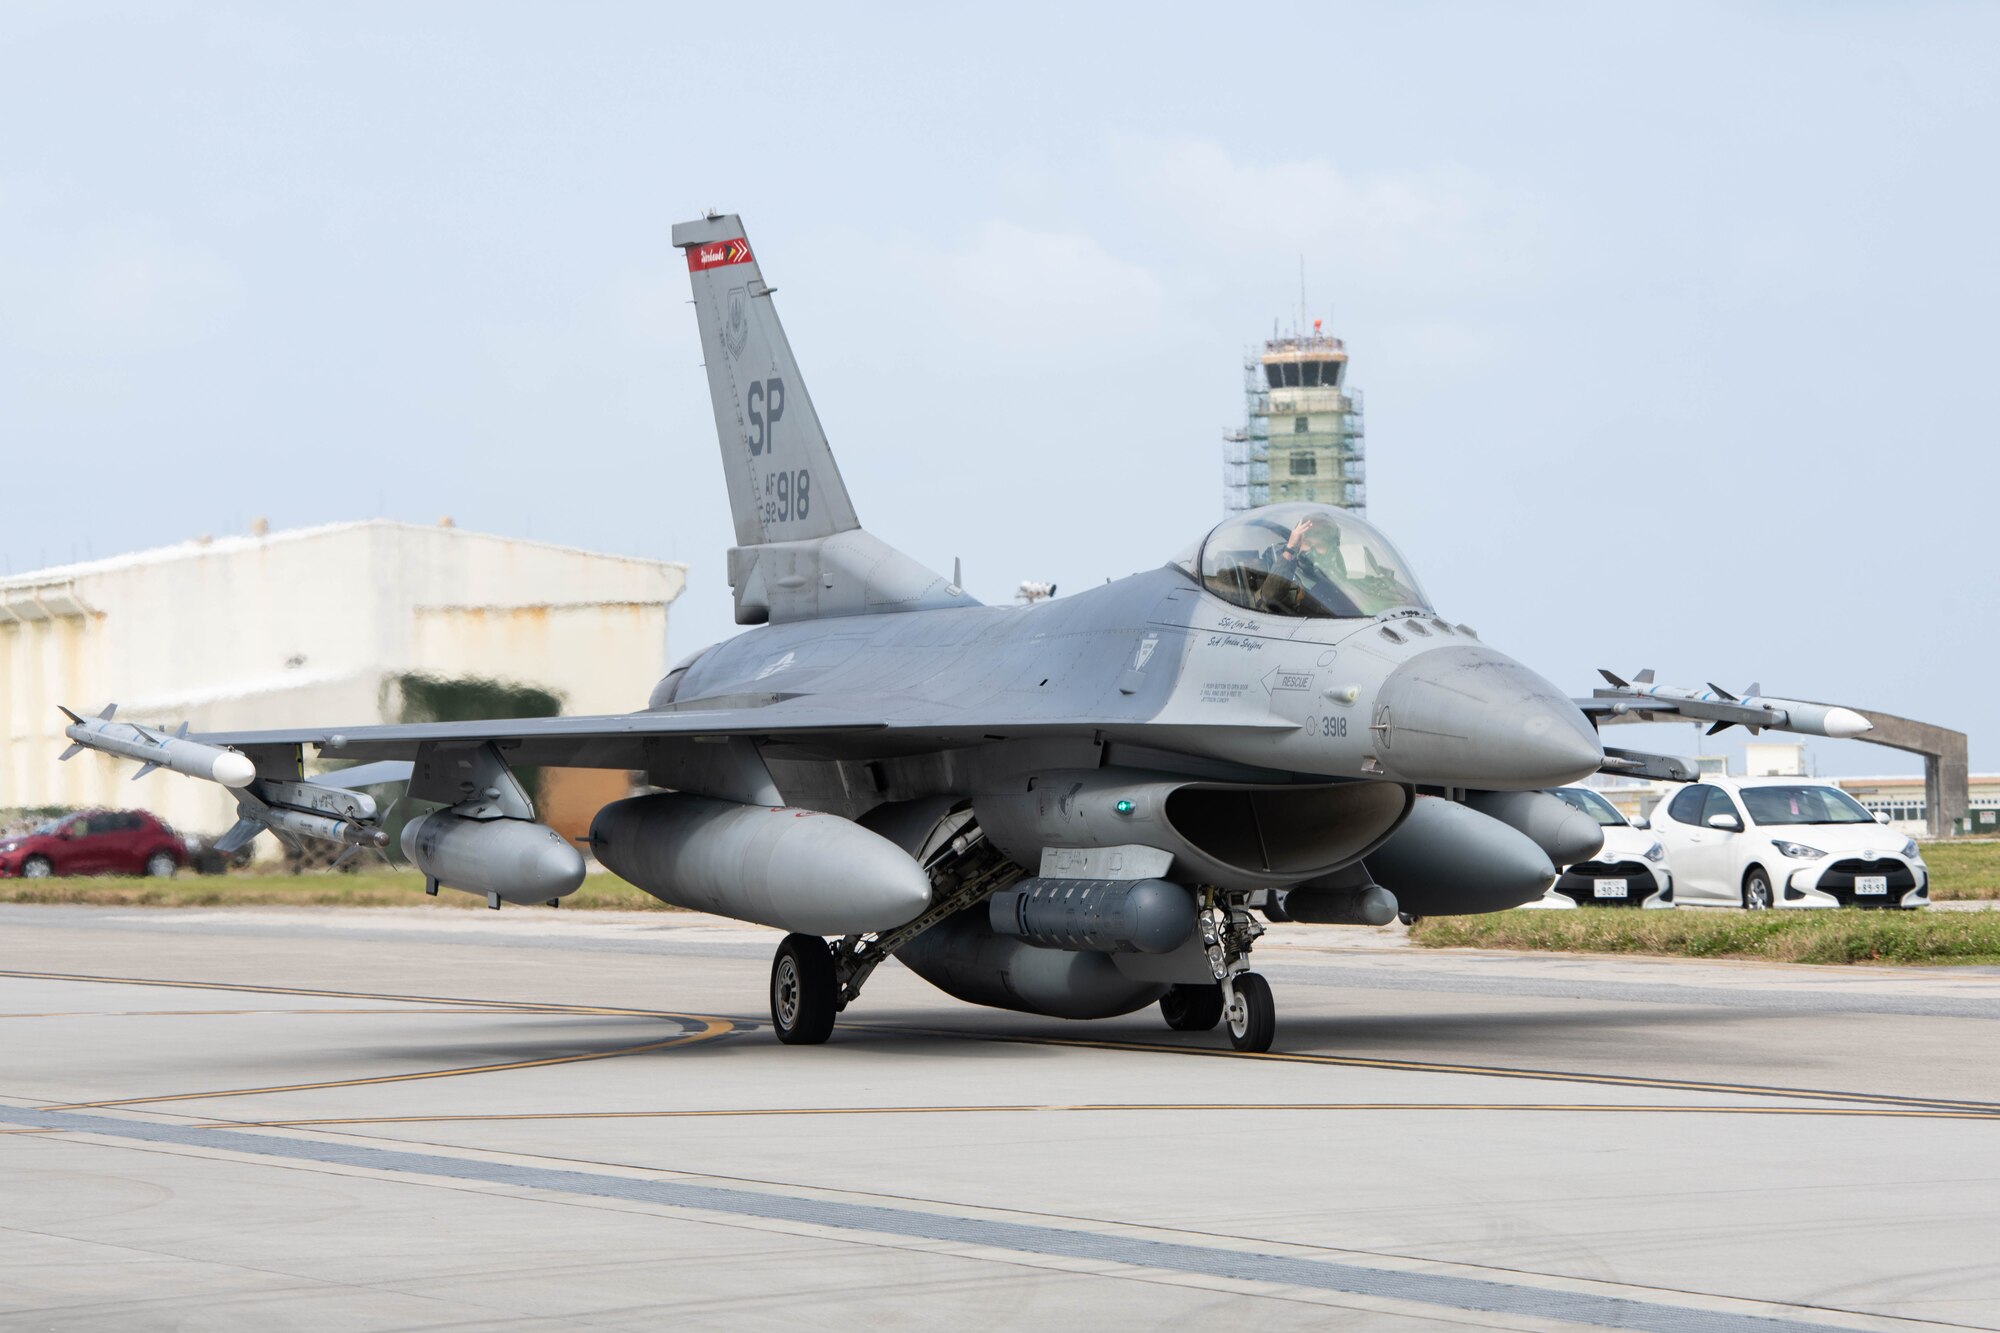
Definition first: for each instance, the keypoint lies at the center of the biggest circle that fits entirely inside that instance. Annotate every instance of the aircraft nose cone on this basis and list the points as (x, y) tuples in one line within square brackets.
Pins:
[(1466, 716)]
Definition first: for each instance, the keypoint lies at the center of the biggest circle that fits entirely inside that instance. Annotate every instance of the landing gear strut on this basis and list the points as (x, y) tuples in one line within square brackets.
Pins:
[(805, 994)]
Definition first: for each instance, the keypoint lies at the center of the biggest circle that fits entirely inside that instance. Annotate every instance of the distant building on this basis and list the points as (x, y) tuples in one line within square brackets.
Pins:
[(1902, 798), (1774, 759), (315, 625), (1302, 436)]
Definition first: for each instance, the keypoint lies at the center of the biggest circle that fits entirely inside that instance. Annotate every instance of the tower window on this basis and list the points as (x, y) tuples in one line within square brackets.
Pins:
[(1298, 425), (1305, 465)]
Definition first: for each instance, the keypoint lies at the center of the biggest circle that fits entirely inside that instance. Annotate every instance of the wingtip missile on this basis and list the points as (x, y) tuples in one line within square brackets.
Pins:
[(1751, 710), (152, 750)]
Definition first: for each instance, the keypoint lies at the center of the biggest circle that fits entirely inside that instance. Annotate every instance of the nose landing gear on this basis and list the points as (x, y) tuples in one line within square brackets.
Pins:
[(1252, 1014), (1237, 995)]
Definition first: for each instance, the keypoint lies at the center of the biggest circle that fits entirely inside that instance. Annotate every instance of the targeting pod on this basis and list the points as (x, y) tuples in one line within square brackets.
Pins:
[(1098, 915)]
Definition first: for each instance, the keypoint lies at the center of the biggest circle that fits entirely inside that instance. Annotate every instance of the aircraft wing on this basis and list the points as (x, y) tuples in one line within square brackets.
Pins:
[(870, 726), (612, 740)]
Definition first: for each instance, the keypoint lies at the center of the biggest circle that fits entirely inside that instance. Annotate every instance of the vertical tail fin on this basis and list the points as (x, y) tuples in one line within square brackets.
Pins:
[(783, 483)]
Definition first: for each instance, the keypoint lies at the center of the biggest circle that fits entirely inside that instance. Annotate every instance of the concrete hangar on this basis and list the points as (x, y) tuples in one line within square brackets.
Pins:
[(313, 624)]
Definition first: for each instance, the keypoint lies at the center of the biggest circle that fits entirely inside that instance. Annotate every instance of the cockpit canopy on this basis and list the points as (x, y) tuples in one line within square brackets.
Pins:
[(1306, 560)]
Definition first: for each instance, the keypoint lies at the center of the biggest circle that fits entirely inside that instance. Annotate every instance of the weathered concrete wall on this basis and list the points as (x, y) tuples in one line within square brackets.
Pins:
[(303, 627)]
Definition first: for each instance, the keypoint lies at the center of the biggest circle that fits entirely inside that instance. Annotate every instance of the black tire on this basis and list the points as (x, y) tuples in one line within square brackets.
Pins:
[(36, 867), (160, 865), (1196, 1008), (1253, 1020), (805, 994), (1757, 890)]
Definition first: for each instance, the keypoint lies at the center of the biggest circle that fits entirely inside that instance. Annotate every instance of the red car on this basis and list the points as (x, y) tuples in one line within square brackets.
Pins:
[(96, 842)]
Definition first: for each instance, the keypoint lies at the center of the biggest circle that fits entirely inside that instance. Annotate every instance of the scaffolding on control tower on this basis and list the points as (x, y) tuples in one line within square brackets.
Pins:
[(1302, 436)]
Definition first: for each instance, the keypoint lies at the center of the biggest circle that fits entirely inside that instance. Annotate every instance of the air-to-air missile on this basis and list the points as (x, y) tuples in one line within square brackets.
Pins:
[(1752, 708), (154, 749), (329, 809)]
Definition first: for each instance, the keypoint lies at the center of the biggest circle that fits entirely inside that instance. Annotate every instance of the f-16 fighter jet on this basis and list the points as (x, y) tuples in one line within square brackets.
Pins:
[(1075, 807)]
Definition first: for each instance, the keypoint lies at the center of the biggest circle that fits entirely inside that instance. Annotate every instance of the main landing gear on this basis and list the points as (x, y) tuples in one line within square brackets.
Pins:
[(812, 981), (805, 992), (1237, 995)]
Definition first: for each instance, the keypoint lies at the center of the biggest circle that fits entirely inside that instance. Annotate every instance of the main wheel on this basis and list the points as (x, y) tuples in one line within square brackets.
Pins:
[(1196, 1008), (1253, 1018), (805, 994), (160, 865), (36, 867), (1756, 890)]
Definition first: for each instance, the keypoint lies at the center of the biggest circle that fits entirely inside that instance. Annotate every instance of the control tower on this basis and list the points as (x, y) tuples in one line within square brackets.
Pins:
[(1302, 433)]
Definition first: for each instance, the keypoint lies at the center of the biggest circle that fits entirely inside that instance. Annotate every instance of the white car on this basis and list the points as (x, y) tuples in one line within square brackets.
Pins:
[(1630, 870), (1785, 842)]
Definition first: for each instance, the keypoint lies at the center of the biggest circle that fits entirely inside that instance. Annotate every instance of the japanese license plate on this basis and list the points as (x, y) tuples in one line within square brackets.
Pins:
[(1871, 883), (1608, 888)]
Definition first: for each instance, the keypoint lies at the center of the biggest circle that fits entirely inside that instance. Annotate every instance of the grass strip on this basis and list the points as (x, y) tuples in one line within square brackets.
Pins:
[(1963, 869), (1831, 935)]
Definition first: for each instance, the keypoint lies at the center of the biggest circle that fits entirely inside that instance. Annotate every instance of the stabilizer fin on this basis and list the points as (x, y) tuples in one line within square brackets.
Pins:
[(1644, 677), (1726, 695), (1611, 679), (1720, 727), (1754, 691), (783, 483), (239, 835), (66, 713), (110, 711), (145, 768), (800, 553), (71, 753)]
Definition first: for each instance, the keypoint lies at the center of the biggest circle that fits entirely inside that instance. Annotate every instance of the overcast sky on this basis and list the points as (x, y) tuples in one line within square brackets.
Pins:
[(1676, 324)]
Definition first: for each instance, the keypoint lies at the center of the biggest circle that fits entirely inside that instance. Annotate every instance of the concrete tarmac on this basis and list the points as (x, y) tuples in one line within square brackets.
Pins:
[(429, 1119)]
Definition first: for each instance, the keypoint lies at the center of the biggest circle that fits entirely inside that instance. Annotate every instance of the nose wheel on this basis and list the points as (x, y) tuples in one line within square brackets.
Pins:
[(805, 993), (1251, 1013)]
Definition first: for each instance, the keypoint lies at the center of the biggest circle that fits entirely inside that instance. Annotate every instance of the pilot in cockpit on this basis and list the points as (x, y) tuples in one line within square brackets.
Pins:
[(1309, 574), (1300, 559), (1298, 581)]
